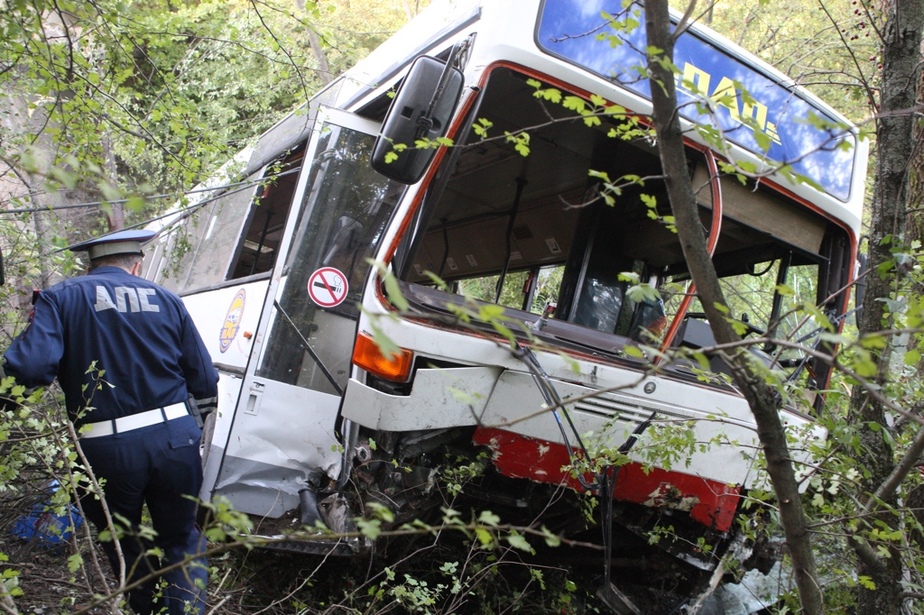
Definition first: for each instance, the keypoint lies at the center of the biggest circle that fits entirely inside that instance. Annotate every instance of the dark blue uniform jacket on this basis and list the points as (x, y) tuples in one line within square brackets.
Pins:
[(117, 343)]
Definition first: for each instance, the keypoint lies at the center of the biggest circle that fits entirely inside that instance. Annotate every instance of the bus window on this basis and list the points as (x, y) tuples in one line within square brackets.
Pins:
[(209, 233), (237, 234), (534, 290), (259, 243), (503, 219), (754, 299)]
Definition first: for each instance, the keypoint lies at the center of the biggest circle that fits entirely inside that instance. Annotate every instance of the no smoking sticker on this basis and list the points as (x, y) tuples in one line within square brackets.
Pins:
[(328, 287)]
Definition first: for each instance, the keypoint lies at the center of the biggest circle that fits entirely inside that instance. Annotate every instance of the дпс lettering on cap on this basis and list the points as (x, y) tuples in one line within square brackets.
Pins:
[(121, 242)]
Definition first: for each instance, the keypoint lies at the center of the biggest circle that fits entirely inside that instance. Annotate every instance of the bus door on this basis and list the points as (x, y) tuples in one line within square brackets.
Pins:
[(283, 427)]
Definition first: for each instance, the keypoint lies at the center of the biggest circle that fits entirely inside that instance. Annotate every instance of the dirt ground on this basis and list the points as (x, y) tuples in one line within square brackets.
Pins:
[(47, 586), (244, 582)]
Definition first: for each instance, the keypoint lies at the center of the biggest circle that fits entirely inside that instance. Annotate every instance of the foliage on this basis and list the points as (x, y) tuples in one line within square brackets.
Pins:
[(480, 563), (120, 105)]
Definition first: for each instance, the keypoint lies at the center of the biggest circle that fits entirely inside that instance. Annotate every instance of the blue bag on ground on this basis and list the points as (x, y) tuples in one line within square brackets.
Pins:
[(42, 525)]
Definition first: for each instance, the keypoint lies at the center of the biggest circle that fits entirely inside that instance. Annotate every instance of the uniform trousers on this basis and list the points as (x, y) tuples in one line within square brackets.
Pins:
[(158, 465)]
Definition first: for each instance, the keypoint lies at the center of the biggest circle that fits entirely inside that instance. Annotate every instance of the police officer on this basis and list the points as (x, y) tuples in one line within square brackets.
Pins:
[(128, 357)]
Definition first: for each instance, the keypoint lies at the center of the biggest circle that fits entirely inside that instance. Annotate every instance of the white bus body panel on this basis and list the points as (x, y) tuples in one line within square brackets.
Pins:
[(215, 434), (281, 433), (442, 398), (227, 319)]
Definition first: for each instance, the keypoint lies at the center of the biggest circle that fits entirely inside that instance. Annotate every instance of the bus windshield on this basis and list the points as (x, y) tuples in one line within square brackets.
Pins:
[(573, 229)]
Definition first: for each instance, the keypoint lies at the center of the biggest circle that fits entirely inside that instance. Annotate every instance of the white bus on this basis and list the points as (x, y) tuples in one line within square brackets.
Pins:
[(274, 264)]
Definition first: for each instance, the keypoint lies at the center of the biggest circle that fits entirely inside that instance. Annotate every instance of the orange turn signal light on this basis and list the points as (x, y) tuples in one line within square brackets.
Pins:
[(390, 366)]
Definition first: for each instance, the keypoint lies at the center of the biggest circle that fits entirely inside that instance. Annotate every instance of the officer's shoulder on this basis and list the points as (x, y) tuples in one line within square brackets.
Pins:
[(64, 285), (161, 292), (160, 289)]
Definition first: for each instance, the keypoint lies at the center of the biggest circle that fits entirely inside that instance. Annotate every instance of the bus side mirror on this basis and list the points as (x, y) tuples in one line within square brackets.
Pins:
[(422, 109), (2, 277)]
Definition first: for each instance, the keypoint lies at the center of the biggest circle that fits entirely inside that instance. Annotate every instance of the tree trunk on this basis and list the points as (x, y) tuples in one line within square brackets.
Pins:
[(895, 145), (115, 212), (755, 390), (314, 41), (914, 221)]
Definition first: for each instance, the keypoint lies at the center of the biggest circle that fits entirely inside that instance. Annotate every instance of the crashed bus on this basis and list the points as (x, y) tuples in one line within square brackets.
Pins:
[(441, 259)]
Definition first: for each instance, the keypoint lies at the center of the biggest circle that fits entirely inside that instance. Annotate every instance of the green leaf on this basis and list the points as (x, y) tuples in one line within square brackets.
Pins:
[(575, 103), (380, 511), (592, 120), (482, 126), (74, 562), (370, 528), (551, 539), (390, 283), (65, 177), (874, 341), (489, 518), (518, 541), (866, 582), (484, 537), (633, 351), (135, 203)]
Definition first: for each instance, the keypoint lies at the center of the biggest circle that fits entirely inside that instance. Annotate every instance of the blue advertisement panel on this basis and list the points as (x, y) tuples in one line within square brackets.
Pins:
[(714, 88)]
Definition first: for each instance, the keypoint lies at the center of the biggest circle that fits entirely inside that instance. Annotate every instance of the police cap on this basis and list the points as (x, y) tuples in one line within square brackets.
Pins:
[(120, 242)]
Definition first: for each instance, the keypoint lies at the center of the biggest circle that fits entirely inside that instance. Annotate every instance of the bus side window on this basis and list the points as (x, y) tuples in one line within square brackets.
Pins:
[(593, 292), (259, 242), (211, 233), (649, 321), (235, 234)]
